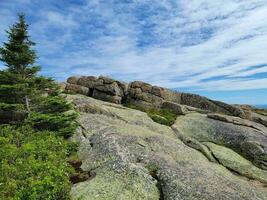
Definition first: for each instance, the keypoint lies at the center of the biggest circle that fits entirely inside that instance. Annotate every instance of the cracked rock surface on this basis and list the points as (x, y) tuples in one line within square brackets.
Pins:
[(136, 158)]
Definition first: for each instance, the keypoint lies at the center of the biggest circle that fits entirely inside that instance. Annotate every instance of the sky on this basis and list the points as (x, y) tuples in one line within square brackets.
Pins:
[(216, 48)]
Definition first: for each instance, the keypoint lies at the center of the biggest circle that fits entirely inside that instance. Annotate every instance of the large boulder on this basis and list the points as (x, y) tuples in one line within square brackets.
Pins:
[(77, 89), (248, 139), (87, 81), (136, 158), (238, 121), (232, 109), (151, 96), (106, 96), (176, 108), (103, 88), (201, 102), (262, 119), (73, 80)]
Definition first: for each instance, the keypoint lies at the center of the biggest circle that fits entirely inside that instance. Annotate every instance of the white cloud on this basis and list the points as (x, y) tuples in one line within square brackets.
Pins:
[(211, 45), (58, 19)]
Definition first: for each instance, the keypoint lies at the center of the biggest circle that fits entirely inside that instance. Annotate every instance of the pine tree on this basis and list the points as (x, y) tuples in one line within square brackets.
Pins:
[(41, 116), (24, 94), (17, 53), (17, 79)]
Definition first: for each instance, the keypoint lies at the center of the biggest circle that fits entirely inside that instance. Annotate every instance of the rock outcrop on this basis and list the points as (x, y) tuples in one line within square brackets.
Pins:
[(103, 88), (144, 94), (212, 151), (200, 157), (249, 140)]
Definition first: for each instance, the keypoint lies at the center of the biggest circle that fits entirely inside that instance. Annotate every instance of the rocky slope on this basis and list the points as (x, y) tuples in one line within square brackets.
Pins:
[(212, 151)]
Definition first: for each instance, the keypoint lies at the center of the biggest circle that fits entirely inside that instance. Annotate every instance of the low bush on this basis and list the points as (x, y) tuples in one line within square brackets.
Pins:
[(159, 115), (61, 123), (33, 165), (11, 107), (52, 104)]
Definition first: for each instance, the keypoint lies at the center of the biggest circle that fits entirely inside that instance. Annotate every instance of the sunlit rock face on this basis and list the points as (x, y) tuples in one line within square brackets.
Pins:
[(204, 155)]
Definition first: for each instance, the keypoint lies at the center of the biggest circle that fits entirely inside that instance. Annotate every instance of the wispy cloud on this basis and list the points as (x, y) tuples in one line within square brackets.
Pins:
[(201, 44)]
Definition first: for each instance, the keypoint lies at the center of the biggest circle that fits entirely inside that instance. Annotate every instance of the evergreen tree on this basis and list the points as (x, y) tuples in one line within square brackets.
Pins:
[(16, 80), (33, 155), (23, 93), (17, 53), (20, 87)]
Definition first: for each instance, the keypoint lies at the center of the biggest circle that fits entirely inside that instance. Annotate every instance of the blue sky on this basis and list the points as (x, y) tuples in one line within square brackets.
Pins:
[(215, 48)]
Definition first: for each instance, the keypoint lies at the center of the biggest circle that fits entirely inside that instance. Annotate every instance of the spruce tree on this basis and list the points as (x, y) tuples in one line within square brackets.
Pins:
[(16, 80), (24, 94), (17, 53), (19, 84), (33, 155)]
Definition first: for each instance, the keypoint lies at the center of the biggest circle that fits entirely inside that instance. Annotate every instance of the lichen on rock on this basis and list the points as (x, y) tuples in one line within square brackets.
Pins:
[(135, 158)]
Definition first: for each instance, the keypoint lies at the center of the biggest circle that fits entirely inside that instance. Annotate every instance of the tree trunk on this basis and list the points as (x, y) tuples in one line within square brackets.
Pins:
[(27, 104)]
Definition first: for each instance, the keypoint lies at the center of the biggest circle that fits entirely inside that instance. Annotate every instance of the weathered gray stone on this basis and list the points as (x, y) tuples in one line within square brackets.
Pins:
[(77, 89), (233, 110), (200, 102), (248, 141), (238, 121), (172, 96), (158, 91), (111, 89), (136, 158), (237, 163), (138, 91), (87, 81), (72, 80), (106, 97), (176, 108), (145, 87), (259, 118)]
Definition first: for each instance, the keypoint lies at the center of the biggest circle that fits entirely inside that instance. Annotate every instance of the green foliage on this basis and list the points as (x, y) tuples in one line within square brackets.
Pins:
[(33, 164), (17, 53), (161, 116), (9, 78), (161, 120), (13, 93), (52, 104), (19, 81), (33, 155), (11, 107), (63, 124)]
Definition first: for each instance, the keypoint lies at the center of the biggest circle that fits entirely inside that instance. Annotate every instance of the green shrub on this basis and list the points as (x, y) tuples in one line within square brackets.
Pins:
[(161, 116), (33, 165), (13, 93), (12, 107), (53, 104), (33, 156), (63, 124)]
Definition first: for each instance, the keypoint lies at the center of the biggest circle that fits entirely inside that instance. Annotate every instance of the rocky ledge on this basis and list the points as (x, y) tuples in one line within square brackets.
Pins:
[(212, 151)]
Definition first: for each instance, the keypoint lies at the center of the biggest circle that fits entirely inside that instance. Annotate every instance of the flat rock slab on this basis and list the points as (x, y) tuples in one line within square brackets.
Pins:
[(248, 141), (136, 158)]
